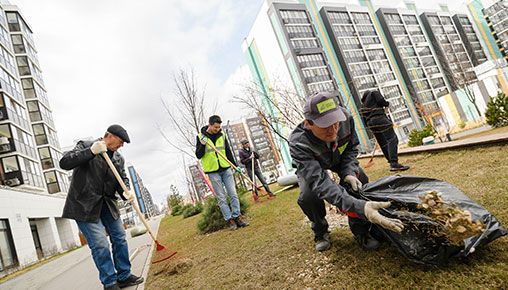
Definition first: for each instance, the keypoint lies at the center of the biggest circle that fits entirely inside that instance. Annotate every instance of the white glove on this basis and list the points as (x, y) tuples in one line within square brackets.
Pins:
[(129, 196), (355, 183), (98, 147), (373, 215), (202, 140)]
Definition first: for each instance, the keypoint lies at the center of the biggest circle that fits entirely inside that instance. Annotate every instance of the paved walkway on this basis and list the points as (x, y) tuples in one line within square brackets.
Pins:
[(76, 270), (467, 142)]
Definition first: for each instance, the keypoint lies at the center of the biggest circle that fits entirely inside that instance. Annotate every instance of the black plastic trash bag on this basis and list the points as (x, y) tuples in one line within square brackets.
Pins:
[(415, 243)]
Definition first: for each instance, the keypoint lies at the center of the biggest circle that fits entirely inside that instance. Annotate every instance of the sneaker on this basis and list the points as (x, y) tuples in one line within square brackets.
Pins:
[(271, 194), (112, 287), (323, 242), (232, 224), (367, 242), (398, 167), (130, 281), (240, 222)]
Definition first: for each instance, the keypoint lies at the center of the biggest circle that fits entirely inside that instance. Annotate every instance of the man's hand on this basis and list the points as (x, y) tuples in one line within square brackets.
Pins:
[(98, 147), (371, 211), (129, 196), (203, 140), (237, 170), (355, 183)]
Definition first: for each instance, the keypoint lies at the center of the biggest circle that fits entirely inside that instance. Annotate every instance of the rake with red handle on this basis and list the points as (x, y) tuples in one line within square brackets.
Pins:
[(162, 253)]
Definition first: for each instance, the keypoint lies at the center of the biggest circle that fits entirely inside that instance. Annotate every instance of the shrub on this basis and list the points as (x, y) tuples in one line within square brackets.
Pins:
[(212, 219), (176, 210), (190, 210), (497, 110), (416, 137)]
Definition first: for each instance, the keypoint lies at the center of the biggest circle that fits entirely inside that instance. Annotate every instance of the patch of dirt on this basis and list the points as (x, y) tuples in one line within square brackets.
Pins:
[(173, 267), (334, 217)]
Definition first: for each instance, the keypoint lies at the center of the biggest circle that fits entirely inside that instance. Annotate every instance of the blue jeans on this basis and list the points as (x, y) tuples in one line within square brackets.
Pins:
[(219, 180), (260, 176), (98, 243)]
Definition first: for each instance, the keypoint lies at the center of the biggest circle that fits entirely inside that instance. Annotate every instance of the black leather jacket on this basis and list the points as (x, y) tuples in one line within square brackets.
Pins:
[(92, 183)]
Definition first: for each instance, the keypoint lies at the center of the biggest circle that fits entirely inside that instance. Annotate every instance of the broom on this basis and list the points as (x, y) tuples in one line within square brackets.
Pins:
[(162, 253)]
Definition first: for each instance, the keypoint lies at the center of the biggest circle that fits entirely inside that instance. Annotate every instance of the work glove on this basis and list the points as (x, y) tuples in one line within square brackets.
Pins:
[(202, 140), (129, 196), (353, 181), (237, 170), (98, 147), (372, 214)]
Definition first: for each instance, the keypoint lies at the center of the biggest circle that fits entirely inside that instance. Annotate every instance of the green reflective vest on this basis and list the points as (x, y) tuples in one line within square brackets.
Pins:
[(211, 160)]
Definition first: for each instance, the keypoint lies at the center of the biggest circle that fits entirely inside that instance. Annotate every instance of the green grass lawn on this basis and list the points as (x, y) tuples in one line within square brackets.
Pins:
[(277, 250)]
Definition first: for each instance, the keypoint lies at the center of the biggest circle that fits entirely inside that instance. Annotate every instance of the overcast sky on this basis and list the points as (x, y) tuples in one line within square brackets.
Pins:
[(107, 62), (110, 62)]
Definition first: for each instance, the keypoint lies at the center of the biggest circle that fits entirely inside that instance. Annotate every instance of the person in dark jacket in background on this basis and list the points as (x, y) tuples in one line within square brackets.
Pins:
[(374, 113), (91, 201), (327, 139), (246, 155), (219, 171)]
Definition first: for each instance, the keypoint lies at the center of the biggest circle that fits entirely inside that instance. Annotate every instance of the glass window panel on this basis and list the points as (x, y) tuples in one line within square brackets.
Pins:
[(10, 164)]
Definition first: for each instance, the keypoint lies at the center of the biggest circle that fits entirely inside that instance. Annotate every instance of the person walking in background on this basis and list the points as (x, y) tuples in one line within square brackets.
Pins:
[(91, 201), (327, 139), (246, 157), (373, 111), (219, 171)]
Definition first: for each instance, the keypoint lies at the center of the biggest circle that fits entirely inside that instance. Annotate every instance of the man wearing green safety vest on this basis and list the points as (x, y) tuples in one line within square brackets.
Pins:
[(219, 171), (326, 139)]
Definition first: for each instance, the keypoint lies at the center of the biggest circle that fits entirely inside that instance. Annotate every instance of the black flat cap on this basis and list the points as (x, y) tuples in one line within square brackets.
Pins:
[(119, 131), (244, 141)]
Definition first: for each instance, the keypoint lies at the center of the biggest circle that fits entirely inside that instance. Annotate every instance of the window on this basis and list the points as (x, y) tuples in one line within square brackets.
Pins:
[(52, 182), (10, 164), (46, 160), (40, 134), (17, 43), (12, 19), (8, 257), (23, 66), (33, 111)]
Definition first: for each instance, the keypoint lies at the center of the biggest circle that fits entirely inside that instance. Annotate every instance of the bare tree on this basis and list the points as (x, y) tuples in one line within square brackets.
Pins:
[(186, 111), (280, 107)]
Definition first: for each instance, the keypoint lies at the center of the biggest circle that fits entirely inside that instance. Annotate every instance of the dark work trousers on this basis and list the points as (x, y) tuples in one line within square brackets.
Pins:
[(314, 209), (260, 176), (385, 136)]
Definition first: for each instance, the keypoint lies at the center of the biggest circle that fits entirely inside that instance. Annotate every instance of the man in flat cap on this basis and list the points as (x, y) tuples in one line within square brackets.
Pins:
[(327, 139), (91, 201), (247, 156)]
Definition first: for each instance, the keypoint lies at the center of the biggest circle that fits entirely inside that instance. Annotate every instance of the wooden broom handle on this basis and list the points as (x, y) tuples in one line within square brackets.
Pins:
[(134, 204), (227, 160)]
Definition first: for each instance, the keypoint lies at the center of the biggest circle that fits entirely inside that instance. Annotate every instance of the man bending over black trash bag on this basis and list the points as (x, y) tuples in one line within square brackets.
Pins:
[(326, 139)]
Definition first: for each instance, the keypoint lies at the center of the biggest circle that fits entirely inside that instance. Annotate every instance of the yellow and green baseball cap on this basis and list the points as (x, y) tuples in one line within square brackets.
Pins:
[(323, 109)]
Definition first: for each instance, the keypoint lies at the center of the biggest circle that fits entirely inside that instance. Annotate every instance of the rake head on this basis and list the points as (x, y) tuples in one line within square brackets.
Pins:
[(162, 253)]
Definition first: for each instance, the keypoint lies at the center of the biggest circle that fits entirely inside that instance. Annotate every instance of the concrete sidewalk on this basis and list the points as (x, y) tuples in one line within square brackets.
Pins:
[(76, 270), (499, 138)]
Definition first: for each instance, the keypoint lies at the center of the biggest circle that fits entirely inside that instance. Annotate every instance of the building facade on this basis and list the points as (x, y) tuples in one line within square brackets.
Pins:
[(40, 121), (496, 16), (366, 64), (415, 57), (471, 41), (143, 196), (450, 49), (201, 190), (33, 187)]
